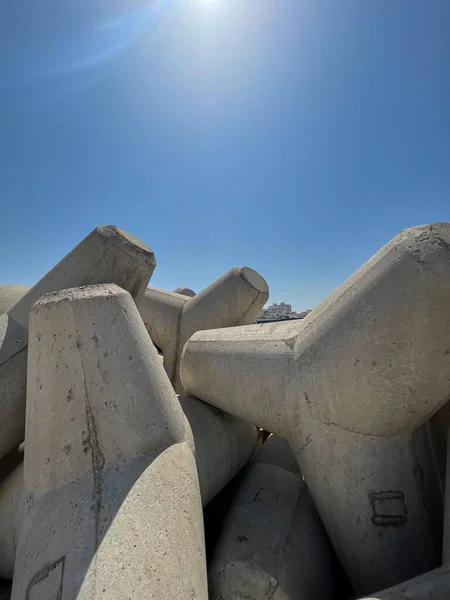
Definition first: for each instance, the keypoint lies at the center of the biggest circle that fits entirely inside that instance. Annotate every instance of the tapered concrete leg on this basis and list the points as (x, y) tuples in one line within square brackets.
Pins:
[(223, 445), (170, 318), (185, 291), (113, 504), (273, 544), (233, 299), (161, 313), (390, 484), (434, 585), (256, 361), (105, 255), (350, 387)]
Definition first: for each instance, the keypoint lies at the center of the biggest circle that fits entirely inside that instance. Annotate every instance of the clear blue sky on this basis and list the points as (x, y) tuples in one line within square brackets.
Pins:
[(292, 136)]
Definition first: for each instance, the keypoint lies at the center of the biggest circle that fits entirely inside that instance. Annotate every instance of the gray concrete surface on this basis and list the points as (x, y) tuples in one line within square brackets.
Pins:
[(11, 508), (446, 528), (273, 544), (106, 255), (113, 507), (10, 294), (233, 299), (223, 444), (434, 585), (276, 451), (350, 387), (185, 291)]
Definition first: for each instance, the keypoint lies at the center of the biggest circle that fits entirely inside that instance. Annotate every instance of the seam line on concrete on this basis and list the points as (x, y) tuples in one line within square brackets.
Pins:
[(368, 435), (13, 355), (86, 277), (257, 294)]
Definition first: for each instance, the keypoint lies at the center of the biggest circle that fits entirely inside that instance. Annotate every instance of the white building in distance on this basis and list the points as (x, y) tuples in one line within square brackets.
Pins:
[(280, 311)]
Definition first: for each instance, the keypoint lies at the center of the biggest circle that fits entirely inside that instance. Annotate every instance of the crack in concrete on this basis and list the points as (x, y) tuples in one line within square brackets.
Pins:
[(273, 585), (98, 463), (243, 317), (43, 573)]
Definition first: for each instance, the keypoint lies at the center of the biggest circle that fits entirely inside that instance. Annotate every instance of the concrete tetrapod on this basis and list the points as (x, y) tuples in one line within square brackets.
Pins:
[(106, 255), (184, 291), (273, 544), (112, 496), (349, 386), (223, 446), (171, 319)]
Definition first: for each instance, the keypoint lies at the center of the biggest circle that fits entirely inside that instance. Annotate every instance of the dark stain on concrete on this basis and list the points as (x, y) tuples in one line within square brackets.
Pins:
[(388, 508), (43, 573)]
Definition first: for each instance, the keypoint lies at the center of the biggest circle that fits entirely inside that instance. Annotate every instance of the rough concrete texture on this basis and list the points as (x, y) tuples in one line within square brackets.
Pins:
[(273, 544), (350, 386), (9, 295), (223, 445), (11, 506), (106, 255), (434, 585), (113, 508), (185, 291), (171, 319)]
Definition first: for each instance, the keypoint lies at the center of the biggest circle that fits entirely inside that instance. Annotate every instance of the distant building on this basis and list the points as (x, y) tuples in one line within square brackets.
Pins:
[(275, 312)]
